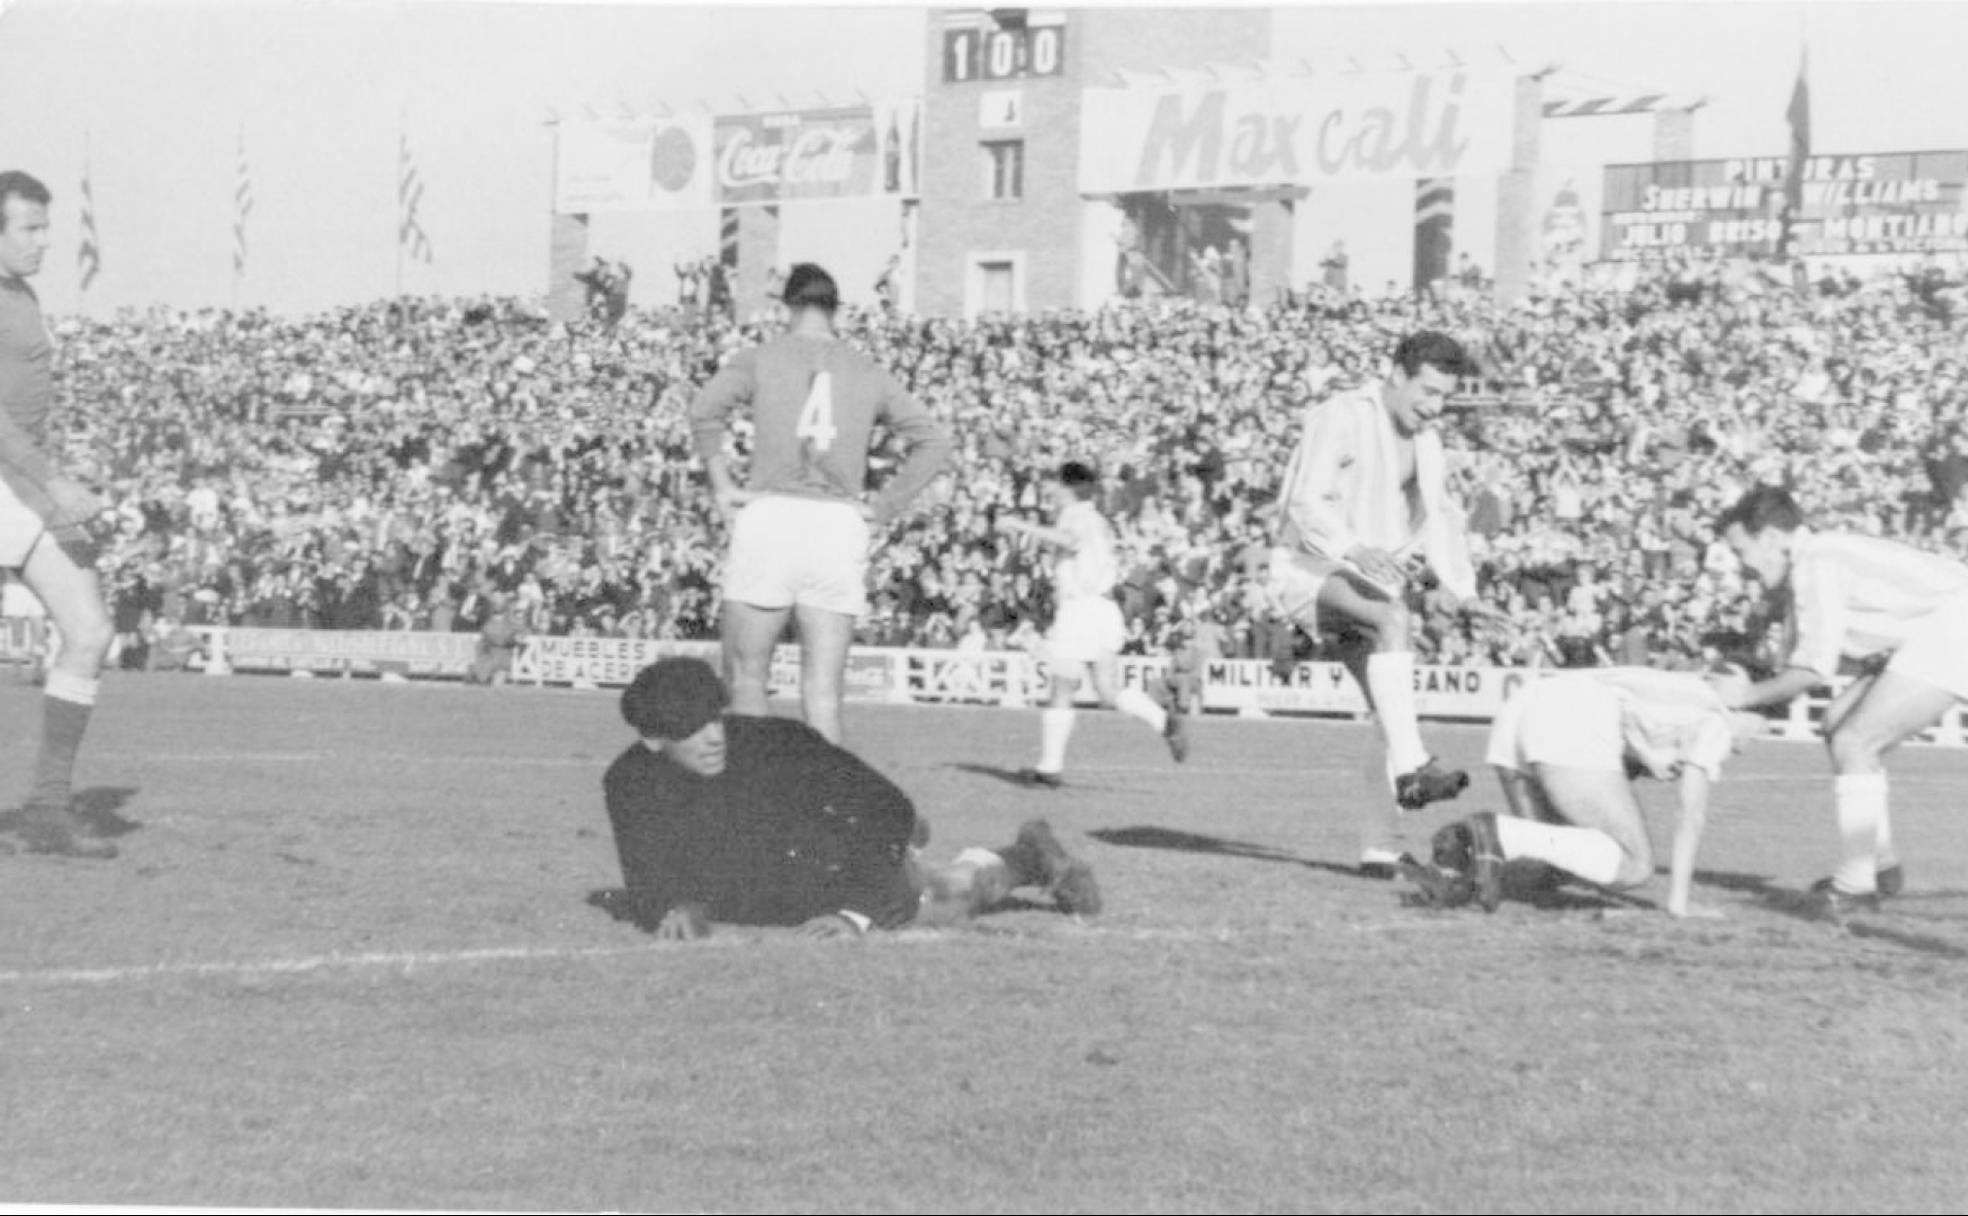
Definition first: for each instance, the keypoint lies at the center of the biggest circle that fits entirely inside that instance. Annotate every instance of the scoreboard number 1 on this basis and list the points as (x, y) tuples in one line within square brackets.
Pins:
[(1003, 54)]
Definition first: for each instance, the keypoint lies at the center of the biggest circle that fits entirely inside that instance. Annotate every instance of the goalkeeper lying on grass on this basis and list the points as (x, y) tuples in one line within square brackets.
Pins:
[(760, 821)]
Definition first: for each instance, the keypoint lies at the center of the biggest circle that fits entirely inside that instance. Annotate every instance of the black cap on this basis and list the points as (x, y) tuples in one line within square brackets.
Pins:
[(673, 698)]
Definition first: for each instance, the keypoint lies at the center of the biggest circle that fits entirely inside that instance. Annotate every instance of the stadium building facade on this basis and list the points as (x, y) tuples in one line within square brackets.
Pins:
[(1058, 158)]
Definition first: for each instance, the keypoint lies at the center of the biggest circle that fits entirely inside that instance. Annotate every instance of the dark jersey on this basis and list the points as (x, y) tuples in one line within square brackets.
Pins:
[(27, 361), (815, 404), (794, 828)]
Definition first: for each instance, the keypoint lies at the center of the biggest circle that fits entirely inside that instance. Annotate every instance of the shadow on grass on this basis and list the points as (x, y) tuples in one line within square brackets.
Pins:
[(1807, 906), (1012, 776), (1191, 842), (97, 807)]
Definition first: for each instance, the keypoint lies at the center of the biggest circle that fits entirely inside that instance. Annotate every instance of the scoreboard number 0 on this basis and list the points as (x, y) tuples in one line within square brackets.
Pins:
[(972, 54)]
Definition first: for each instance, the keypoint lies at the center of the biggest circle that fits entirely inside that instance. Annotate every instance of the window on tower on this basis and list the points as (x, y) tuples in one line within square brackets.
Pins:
[(1004, 169)]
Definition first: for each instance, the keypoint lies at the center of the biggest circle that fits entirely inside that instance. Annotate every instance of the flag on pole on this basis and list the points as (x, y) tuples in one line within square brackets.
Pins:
[(410, 235), (1799, 116), (88, 257), (242, 206)]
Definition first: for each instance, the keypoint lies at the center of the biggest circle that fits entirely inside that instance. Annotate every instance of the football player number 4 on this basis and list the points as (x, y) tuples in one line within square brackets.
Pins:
[(816, 420)]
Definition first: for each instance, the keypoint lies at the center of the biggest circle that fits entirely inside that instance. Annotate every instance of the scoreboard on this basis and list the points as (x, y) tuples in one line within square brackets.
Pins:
[(1003, 53)]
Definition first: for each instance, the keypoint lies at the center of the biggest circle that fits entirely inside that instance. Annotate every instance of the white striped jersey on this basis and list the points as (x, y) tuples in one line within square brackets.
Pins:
[(1670, 719), (1091, 568), (1860, 596)]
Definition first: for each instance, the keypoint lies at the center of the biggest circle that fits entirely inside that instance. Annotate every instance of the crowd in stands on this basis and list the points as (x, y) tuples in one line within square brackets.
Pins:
[(462, 465)]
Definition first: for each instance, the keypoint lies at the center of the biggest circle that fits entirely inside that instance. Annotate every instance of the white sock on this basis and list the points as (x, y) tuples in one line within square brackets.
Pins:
[(1141, 707), (1882, 850), (1055, 728), (1861, 813), (1390, 681), (1586, 852), (66, 686)]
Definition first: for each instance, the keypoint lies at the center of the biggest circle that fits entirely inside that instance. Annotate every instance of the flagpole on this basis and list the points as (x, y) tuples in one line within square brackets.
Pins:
[(402, 136)]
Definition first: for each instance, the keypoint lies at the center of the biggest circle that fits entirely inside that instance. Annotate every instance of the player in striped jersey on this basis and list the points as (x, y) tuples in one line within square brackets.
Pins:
[(1902, 614), (1087, 630), (1564, 749), (800, 527), (1363, 500)]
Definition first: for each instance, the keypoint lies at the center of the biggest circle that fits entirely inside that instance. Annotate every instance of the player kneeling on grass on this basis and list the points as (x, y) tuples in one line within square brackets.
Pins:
[(760, 821), (1566, 750), (1087, 630)]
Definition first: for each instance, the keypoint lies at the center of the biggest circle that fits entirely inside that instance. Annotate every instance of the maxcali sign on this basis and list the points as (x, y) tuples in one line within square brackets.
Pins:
[(1297, 131)]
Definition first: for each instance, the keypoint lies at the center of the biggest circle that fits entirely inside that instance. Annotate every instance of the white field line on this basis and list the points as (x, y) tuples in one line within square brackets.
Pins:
[(410, 960)]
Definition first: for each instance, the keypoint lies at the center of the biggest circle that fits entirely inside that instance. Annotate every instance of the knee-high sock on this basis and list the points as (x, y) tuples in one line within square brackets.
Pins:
[(1586, 852), (1055, 728), (1141, 707), (1861, 810), (66, 703), (1390, 680), (1883, 854)]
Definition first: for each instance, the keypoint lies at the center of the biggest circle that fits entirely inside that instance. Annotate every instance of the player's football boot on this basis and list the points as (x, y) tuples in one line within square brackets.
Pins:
[(1828, 903), (1486, 854), (1065, 877), (1891, 880), (1429, 783), (1045, 781), (1469, 850), (1437, 887), (58, 830)]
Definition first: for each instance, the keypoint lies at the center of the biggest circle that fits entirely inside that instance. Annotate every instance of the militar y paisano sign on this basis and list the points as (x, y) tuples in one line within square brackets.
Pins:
[(1296, 131), (1874, 203)]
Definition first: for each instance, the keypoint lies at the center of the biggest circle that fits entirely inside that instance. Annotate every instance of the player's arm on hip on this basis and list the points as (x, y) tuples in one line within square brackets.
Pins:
[(926, 442)]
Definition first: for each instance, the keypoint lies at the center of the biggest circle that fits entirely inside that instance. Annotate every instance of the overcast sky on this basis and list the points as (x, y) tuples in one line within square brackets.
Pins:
[(159, 92)]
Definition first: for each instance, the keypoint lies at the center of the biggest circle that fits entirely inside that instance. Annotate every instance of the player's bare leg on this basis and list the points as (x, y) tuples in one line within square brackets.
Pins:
[(980, 879), (1140, 706), (73, 597), (1386, 675), (1892, 709), (824, 641), (1604, 840), (750, 633), (1056, 722)]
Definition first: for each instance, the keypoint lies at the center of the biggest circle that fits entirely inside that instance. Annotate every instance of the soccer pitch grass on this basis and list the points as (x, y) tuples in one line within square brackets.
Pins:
[(346, 960)]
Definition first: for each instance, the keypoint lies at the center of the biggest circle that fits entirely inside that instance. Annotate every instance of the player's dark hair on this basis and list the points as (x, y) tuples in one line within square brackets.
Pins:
[(808, 286), (1080, 478), (1761, 509), (1432, 348), (16, 184)]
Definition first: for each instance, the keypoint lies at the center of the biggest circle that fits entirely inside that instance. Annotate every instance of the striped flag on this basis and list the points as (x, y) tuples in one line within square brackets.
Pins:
[(1434, 226), (410, 235), (88, 258), (242, 206), (1799, 116)]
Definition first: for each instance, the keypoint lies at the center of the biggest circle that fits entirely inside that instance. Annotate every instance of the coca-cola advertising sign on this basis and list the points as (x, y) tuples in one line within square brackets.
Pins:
[(847, 152)]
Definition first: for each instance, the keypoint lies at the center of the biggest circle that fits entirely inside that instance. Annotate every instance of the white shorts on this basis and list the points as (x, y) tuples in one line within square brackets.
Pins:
[(1936, 649), (805, 551), (1566, 722), (20, 529), (1087, 629)]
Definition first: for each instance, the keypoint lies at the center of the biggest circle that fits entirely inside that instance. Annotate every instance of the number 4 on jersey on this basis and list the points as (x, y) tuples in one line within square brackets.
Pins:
[(816, 420)]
